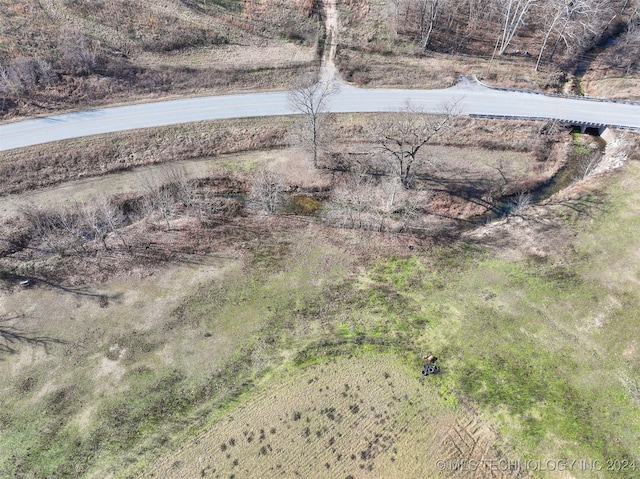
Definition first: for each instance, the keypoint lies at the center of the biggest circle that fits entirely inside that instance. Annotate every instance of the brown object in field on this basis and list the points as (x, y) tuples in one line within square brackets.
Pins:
[(430, 358)]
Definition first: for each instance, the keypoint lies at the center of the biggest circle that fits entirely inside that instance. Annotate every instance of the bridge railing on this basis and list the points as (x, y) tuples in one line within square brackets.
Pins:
[(563, 121), (559, 95)]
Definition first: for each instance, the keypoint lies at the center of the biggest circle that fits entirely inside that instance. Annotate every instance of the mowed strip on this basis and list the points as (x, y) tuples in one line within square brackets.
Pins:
[(364, 416)]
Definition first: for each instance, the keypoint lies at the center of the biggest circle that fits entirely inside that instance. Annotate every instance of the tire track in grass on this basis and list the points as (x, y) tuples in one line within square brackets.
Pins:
[(466, 449)]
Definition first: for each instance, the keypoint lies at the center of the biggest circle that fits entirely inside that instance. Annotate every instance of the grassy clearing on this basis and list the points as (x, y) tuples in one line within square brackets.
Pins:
[(357, 416), (544, 350), (544, 347), (535, 345), (121, 380)]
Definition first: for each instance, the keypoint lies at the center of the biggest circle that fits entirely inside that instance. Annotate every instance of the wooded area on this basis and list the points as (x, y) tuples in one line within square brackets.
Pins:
[(546, 30)]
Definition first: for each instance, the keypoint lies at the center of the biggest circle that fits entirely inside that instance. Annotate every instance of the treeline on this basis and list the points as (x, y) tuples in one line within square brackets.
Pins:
[(548, 31), (75, 53), (101, 224)]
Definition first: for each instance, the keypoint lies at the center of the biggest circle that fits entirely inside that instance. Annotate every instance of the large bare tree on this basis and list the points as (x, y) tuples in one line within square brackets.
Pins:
[(403, 135), (310, 98), (426, 27)]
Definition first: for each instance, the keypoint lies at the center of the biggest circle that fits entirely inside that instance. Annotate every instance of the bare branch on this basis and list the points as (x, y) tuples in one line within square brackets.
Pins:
[(267, 191), (310, 98), (402, 136)]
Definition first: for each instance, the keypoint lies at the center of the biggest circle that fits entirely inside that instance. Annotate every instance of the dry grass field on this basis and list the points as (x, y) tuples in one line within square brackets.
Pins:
[(126, 50), (252, 344), (198, 301), (363, 415)]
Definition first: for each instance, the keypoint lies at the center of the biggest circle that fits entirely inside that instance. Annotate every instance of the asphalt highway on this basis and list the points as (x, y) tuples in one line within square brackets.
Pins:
[(470, 98)]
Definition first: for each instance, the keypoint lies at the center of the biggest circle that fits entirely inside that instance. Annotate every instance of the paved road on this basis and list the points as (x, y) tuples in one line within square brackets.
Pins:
[(471, 98)]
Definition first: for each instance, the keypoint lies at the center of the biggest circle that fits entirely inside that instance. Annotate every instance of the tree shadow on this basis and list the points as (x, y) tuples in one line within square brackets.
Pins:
[(31, 281), (11, 337)]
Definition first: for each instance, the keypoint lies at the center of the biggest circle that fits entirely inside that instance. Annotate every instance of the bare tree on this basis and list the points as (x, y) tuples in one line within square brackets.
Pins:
[(5, 85), (514, 13), (402, 136), (519, 203), (176, 177), (67, 223), (21, 77), (434, 10), (159, 196), (569, 21), (43, 227), (362, 201), (26, 72), (9, 87), (92, 218), (58, 229), (350, 203), (78, 52), (267, 191), (73, 227), (588, 164), (310, 97), (113, 218)]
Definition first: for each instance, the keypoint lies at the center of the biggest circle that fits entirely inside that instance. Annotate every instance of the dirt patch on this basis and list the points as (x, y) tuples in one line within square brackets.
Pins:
[(538, 235)]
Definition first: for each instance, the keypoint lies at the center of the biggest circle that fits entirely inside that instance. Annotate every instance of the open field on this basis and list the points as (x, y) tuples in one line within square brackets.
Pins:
[(543, 348), (122, 358), (362, 415), (137, 363)]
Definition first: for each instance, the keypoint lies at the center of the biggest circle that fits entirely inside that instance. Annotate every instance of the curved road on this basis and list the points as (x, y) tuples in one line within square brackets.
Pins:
[(471, 98)]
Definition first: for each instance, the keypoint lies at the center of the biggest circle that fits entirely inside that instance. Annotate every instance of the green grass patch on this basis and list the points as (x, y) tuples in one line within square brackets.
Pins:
[(535, 344)]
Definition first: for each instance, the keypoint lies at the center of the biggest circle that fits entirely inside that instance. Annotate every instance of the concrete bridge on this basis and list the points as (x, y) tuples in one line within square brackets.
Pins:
[(593, 129)]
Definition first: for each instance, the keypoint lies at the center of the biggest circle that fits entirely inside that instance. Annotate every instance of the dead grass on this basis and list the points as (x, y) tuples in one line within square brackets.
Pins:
[(431, 71), (51, 164), (622, 88), (141, 49), (361, 416)]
